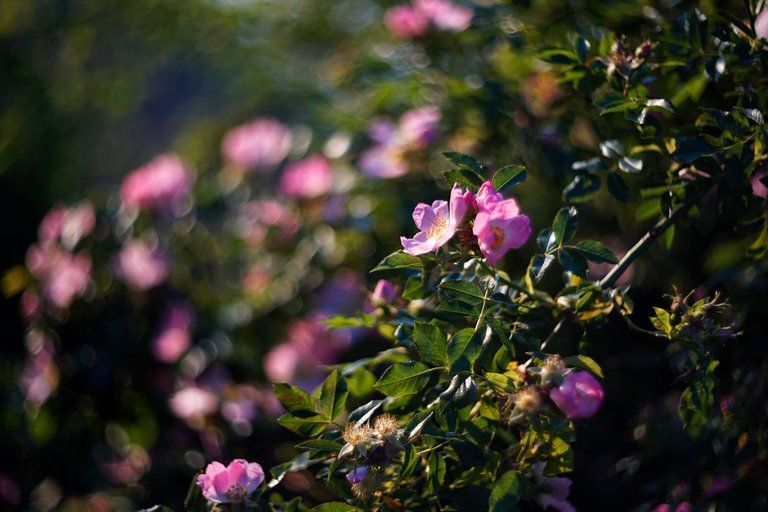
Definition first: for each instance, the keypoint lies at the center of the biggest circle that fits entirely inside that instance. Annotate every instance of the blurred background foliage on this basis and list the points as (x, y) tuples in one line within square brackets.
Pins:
[(91, 90)]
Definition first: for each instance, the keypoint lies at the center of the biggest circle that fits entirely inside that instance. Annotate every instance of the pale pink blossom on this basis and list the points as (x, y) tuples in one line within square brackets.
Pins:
[(499, 226), (758, 189), (761, 24), (260, 144), (230, 484), (417, 128), (406, 21), (140, 266), (40, 377), (191, 403), (174, 336), (63, 276), (161, 185), (445, 15), (437, 223), (384, 161), (68, 225), (579, 396), (556, 490), (308, 178)]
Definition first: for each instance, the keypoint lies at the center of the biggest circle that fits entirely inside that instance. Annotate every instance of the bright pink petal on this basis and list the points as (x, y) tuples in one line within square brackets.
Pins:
[(424, 215), (419, 244)]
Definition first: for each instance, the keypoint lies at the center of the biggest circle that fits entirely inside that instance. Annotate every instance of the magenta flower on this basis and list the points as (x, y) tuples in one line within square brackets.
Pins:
[(357, 475), (63, 276), (141, 266), (758, 189), (68, 225), (161, 185), (406, 22), (579, 396), (557, 490), (437, 223), (499, 226), (417, 127), (259, 144), (230, 484), (308, 178), (384, 292), (174, 337), (761, 24)]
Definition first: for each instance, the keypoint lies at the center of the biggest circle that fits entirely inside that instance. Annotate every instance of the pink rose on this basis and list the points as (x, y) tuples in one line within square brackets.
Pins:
[(230, 484), (499, 226), (308, 178), (405, 21), (579, 396), (761, 24), (556, 490), (161, 185), (140, 266), (259, 144), (437, 223)]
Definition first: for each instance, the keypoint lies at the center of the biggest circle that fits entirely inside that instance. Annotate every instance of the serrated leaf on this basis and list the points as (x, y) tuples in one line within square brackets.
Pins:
[(585, 363), (612, 149), (505, 493), (631, 165), (399, 260), (464, 177), (660, 105), (431, 343), (464, 291), (690, 149), (304, 424), (293, 398), (582, 188), (508, 176), (573, 262), (617, 187), (595, 251), (437, 469), (463, 160), (403, 379), (463, 349), (564, 225), (501, 382), (410, 461), (539, 265), (333, 395), (546, 240)]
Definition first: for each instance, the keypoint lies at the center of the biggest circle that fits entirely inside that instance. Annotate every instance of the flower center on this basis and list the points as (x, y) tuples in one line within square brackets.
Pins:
[(437, 228), (498, 236), (235, 493)]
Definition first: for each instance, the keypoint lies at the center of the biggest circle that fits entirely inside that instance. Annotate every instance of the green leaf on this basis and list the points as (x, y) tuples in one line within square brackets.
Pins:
[(431, 343), (539, 265), (194, 501), (559, 56), (617, 187), (360, 382), (333, 395), (648, 209), (591, 166), (585, 363), (437, 469), (582, 48), (334, 506), (573, 262), (595, 251), (631, 165), (508, 176), (690, 149), (304, 424), (564, 225), (501, 382), (582, 188), (463, 349), (759, 248), (293, 398), (660, 105), (464, 291), (612, 149), (403, 379), (464, 177), (546, 240), (410, 461), (321, 445), (668, 238), (399, 260), (463, 160), (345, 322), (505, 493)]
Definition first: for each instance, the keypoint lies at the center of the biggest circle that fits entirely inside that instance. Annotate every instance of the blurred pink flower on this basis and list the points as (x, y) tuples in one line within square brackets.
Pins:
[(406, 21), (140, 266), (758, 189), (230, 484), (160, 186), (63, 276), (40, 377), (308, 178), (437, 223), (499, 226), (68, 225), (174, 337), (445, 15), (259, 144), (579, 396), (385, 292), (417, 127), (191, 403), (761, 24), (384, 161), (9, 490), (556, 490)]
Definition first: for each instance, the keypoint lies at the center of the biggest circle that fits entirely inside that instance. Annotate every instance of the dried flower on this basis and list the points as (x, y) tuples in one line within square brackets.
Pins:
[(357, 433), (386, 425)]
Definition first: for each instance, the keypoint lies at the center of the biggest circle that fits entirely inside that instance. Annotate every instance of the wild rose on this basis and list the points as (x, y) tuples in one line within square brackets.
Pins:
[(579, 396), (384, 161), (499, 226), (160, 186), (259, 144), (140, 266), (308, 178), (437, 223), (230, 484), (761, 24), (63, 276), (418, 127), (406, 21), (192, 404), (173, 338), (445, 15), (556, 490), (68, 225)]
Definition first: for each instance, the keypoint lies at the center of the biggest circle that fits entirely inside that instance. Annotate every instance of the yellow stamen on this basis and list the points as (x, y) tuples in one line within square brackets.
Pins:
[(437, 228)]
